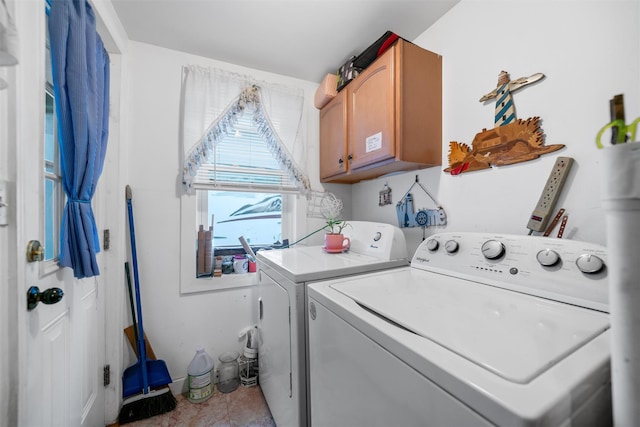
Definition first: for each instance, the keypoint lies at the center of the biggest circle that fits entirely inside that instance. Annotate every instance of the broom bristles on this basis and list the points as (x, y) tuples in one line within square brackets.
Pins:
[(147, 405)]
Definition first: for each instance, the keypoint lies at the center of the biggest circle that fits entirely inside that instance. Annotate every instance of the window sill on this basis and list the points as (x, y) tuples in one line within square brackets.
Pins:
[(226, 281)]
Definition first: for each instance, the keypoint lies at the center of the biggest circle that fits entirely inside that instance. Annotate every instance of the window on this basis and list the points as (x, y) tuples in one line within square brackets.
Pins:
[(291, 223), (242, 147), (54, 195), (241, 190), (241, 161), (255, 216)]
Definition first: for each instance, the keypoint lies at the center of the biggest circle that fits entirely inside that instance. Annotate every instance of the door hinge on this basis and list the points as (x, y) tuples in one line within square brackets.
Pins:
[(106, 379), (290, 384), (106, 239)]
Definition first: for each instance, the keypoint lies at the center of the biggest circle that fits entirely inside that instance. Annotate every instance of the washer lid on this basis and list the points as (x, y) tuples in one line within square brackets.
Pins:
[(513, 335)]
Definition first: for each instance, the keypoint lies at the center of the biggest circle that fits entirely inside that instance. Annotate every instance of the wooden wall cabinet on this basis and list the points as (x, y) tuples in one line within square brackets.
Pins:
[(387, 119)]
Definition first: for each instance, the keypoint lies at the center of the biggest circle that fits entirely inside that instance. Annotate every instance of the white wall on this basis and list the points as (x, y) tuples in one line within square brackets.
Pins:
[(589, 51), (177, 324), (8, 279)]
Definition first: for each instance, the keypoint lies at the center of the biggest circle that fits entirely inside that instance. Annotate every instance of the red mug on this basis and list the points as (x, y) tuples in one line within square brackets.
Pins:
[(336, 242)]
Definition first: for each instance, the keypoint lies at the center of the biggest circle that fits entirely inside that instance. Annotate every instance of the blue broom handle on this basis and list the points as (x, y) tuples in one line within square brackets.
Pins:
[(141, 344)]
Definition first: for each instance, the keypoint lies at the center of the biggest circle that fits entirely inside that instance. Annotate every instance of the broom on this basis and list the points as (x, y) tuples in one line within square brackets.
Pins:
[(145, 373)]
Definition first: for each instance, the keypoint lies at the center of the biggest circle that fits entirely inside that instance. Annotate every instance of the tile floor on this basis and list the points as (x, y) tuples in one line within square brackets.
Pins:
[(244, 407)]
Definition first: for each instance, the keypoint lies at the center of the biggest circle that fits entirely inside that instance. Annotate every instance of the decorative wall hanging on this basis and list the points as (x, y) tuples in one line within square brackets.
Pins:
[(512, 140), (424, 217), (384, 197)]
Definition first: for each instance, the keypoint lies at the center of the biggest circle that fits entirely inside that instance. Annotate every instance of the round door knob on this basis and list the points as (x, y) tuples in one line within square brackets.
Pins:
[(589, 264), (50, 296), (548, 257), (432, 244), (35, 251), (492, 249), (451, 246)]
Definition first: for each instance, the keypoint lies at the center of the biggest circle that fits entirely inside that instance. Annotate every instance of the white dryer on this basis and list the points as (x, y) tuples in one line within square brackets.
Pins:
[(283, 275), (480, 330)]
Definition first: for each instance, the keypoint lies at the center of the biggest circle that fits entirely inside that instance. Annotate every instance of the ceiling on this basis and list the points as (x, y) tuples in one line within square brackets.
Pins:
[(304, 39)]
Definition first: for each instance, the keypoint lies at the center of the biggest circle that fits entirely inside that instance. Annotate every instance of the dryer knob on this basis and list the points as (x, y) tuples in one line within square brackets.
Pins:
[(589, 264), (451, 246), (492, 249), (548, 257)]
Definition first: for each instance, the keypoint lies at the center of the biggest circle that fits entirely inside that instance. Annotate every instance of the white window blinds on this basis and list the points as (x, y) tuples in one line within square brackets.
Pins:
[(217, 105), (241, 160)]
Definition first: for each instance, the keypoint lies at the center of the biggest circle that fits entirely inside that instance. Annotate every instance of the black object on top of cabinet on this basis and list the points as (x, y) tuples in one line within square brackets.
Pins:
[(376, 49)]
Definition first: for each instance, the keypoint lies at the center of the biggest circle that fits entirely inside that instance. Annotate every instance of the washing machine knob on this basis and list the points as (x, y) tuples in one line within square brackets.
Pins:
[(589, 264), (432, 244), (492, 249), (451, 246), (548, 257)]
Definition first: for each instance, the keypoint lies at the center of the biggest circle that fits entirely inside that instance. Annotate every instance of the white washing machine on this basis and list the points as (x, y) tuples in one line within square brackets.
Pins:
[(480, 330), (283, 276)]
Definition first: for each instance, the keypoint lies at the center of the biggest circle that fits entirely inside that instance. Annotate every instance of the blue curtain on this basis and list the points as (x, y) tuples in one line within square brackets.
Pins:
[(80, 67)]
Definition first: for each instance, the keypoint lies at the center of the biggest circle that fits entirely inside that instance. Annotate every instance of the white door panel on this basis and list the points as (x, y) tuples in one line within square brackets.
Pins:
[(61, 346), (53, 342), (89, 359), (274, 349)]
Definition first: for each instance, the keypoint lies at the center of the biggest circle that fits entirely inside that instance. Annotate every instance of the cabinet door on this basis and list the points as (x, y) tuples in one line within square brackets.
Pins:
[(371, 113), (333, 137)]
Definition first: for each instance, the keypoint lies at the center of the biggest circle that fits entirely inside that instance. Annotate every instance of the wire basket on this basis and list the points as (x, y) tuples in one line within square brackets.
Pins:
[(248, 371), (323, 204)]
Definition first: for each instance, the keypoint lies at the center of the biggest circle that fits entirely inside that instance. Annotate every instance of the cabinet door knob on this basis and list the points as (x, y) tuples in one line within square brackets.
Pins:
[(340, 161), (350, 157)]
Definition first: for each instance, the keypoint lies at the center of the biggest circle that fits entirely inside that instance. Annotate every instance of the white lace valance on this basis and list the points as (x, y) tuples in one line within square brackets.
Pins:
[(213, 102), (8, 37)]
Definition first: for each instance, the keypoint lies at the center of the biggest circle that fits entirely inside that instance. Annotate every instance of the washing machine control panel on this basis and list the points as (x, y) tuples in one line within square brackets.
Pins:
[(564, 270)]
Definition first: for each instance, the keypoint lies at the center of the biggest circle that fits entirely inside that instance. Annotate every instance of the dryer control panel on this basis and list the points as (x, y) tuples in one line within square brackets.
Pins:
[(379, 240), (564, 270)]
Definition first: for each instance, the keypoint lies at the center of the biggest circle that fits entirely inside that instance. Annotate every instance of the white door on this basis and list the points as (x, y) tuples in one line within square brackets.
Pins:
[(61, 346), (274, 350)]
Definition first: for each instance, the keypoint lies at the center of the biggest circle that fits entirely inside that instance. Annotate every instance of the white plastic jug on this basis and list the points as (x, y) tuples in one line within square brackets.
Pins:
[(199, 379)]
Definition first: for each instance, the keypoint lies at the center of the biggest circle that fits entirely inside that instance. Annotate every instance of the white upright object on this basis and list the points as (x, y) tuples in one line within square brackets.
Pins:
[(469, 337), (621, 199), (199, 378), (283, 276), (251, 345)]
